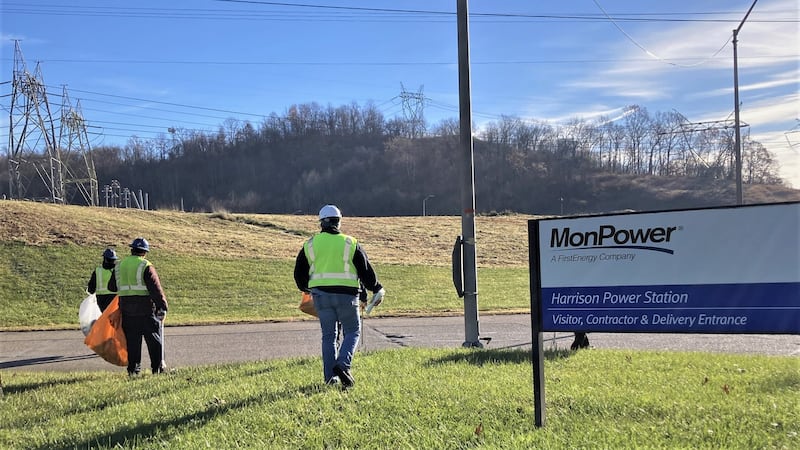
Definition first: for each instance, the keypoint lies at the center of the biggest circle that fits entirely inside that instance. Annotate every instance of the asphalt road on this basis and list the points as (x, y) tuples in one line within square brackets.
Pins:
[(201, 345)]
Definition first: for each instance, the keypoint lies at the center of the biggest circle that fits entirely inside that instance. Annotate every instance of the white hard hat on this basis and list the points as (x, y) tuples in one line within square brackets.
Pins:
[(329, 211)]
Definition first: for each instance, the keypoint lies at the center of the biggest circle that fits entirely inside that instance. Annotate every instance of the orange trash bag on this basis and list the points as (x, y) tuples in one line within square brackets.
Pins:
[(307, 304), (106, 337)]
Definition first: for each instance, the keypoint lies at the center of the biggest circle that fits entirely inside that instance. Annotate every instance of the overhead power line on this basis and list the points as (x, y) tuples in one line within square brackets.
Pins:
[(169, 103), (664, 60), (380, 63), (351, 13)]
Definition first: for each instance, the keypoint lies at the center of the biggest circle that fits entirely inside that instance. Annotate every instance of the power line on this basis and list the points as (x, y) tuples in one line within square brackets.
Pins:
[(352, 13), (169, 103), (630, 38), (384, 63)]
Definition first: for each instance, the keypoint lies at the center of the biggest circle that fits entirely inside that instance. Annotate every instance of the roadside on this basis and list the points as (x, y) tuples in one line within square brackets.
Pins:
[(216, 344)]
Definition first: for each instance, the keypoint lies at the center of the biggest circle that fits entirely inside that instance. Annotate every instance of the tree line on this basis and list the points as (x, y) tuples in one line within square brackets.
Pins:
[(369, 165)]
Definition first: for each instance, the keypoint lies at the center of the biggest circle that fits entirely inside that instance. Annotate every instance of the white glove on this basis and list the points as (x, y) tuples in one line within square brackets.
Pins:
[(377, 298)]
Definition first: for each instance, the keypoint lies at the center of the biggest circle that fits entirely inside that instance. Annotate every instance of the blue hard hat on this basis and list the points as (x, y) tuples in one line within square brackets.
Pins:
[(140, 243), (110, 254)]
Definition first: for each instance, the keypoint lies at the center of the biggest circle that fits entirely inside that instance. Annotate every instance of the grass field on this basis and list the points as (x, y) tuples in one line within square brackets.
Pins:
[(418, 399), (223, 267)]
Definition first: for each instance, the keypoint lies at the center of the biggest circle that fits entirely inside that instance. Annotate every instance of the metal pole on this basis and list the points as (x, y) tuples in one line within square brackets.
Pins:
[(737, 143), (471, 322), (423, 204), (737, 133)]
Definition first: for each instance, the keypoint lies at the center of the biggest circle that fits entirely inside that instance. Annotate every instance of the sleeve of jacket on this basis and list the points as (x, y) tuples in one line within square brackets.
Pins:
[(301, 268), (92, 286), (112, 282), (153, 284), (365, 271)]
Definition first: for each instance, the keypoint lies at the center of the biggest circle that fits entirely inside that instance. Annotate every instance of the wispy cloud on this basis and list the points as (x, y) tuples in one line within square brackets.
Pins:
[(685, 48), (673, 78), (784, 79)]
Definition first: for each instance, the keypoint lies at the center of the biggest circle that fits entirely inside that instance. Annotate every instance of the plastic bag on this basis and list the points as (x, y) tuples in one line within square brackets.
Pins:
[(106, 338), (88, 313), (307, 304)]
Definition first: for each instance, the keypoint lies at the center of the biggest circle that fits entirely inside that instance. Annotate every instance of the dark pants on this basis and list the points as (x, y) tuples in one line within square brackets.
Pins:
[(581, 341), (104, 300), (149, 328)]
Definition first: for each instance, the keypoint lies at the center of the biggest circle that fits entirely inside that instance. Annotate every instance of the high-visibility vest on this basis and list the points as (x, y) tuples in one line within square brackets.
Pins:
[(102, 277), (130, 276), (330, 259)]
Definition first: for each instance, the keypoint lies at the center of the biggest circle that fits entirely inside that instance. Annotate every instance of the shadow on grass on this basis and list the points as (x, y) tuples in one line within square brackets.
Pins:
[(480, 357), (166, 429), (11, 388), (44, 360)]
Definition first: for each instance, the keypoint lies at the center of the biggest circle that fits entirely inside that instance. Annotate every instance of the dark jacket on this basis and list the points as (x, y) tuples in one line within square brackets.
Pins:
[(366, 274)]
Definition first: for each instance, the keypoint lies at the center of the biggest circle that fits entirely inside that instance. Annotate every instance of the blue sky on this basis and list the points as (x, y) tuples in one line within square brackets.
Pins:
[(138, 68)]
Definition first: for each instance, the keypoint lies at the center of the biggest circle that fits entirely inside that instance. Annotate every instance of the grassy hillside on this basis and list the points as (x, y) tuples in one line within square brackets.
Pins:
[(222, 267)]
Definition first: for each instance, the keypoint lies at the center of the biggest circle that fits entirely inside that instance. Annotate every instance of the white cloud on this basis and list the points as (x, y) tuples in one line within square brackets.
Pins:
[(687, 48), (769, 74)]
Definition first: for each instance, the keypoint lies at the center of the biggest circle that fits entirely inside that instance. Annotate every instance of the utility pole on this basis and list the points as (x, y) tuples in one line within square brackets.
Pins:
[(738, 141), (471, 322)]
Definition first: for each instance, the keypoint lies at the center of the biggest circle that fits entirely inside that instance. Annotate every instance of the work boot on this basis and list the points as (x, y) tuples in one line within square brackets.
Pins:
[(344, 376), (581, 341)]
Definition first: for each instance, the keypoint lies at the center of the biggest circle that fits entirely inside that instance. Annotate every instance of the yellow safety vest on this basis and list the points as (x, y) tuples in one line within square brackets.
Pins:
[(130, 276), (102, 276), (330, 259)]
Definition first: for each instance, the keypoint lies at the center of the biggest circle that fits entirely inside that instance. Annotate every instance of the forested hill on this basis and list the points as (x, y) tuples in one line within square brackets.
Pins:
[(352, 157)]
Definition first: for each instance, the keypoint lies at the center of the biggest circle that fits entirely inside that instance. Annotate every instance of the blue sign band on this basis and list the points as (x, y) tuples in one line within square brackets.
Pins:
[(772, 308)]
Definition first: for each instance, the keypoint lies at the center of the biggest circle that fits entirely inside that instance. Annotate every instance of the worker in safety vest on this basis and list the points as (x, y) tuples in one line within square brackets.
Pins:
[(99, 281), (332, 266), (143, 306)]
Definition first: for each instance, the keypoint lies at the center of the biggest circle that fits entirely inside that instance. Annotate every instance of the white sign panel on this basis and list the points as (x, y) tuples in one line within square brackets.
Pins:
[(726, 270)]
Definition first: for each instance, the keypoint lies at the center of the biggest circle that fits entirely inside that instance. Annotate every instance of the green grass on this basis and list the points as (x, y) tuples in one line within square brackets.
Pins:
[(418, 398), (42, 287)]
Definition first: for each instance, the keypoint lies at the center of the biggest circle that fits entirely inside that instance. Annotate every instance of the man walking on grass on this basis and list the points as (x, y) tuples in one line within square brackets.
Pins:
[(143, 306), (332, 266)]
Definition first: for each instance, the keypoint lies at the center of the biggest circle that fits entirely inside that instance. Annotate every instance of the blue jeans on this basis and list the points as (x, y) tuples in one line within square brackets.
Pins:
[(333, 308)]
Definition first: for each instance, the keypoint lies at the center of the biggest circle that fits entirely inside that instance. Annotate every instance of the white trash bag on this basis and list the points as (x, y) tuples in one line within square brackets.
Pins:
[(88, 313)]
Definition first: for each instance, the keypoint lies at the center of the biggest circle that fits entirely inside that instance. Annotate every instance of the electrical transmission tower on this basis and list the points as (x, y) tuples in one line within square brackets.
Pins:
[(413, 111), (75, 154), (63, 161), (686, 128), (31, 137)]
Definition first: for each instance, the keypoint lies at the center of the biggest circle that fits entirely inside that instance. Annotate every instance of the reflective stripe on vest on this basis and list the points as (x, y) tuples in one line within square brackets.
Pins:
[(102, 277), (326, 266), (130, 276)]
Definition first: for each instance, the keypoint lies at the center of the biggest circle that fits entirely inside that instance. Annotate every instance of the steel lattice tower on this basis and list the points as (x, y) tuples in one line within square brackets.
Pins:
[(413, 110), (75, 152), (62, 160), (31, 137)]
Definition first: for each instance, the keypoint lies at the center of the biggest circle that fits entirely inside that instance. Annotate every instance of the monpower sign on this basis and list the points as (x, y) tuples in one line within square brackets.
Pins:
[(718, 270)]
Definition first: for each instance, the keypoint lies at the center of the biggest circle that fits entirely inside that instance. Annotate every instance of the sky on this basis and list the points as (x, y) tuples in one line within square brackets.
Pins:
[(140, 68)]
